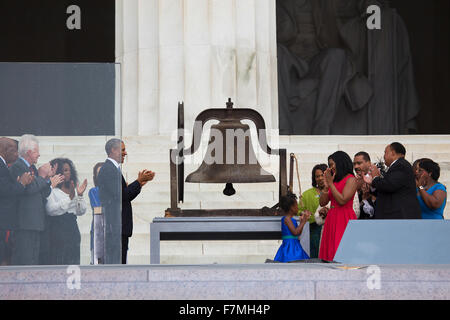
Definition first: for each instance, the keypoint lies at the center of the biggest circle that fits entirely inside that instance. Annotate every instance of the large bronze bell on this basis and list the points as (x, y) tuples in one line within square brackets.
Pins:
[(230, 157)]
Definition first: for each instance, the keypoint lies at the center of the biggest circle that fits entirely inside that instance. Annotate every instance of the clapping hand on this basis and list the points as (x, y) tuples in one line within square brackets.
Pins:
[(374, 171), (365, 191), (368, 179), (305, 216), (56, 180), (149, 175), (145, 176), (82, 188), (417, 182), (25, 179), (422, 181), (329, 177), (323, 212)]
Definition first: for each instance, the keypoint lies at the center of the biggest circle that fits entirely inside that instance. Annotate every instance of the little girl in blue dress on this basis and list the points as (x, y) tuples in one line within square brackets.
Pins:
[(291, 249)]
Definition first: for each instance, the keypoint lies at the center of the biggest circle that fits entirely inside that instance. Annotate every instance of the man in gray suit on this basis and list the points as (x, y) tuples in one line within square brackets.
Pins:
[(30, 205)]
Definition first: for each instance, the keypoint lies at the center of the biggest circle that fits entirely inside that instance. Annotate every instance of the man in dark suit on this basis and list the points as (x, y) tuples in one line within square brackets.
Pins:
[(362, 164), (10, 188), (396, 190), (116, 196), (30, 205)]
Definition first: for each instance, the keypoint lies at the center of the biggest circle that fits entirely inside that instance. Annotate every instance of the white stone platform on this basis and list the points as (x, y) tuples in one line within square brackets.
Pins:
[(296, 281)]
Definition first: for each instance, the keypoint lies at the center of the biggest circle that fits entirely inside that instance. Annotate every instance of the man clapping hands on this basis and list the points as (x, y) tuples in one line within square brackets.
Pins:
[(118, 219)]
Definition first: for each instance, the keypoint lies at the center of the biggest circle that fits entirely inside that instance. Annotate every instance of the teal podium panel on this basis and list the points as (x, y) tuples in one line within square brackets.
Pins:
[(395, 242)]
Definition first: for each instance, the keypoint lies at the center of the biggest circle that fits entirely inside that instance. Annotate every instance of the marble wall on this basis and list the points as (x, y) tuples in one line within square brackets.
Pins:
[(197, 51)]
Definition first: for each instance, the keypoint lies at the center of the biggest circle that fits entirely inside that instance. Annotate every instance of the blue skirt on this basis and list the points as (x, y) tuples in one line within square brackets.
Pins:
[(290, 250)]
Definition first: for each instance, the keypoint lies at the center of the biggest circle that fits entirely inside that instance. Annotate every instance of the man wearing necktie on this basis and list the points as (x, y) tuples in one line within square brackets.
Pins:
[(116, 196), (396, 189), (10, 188), (30, 205)]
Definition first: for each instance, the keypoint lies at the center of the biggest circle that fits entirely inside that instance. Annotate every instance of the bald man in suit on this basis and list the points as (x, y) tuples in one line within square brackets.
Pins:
[(396, 189)]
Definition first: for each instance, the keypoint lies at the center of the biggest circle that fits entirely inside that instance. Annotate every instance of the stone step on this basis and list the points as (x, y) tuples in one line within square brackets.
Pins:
[(204, 260), (305, 153), (301, 144), (305, 178), (247, 247), (160, 186), (162, 172), (203, 251)]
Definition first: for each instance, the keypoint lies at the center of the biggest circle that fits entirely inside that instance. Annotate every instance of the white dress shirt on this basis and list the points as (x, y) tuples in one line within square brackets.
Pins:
[(1, 158), (58, 203), (391, 165), (115, 163)]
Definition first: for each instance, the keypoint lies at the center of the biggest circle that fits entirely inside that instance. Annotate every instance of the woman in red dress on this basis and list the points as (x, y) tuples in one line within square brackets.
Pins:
[(340, 189)]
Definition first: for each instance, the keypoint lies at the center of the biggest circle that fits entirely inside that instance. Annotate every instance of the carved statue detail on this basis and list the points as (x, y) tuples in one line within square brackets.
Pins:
[(335, 76)]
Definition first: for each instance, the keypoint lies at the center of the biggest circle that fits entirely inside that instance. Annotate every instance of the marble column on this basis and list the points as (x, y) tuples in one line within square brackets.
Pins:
[(128, 58), (197, 51)]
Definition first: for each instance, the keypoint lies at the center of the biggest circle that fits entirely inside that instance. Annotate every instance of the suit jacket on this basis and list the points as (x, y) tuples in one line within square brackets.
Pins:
[(31, 204), (10, 189), (396, 193), (114, 192), (129, 192)]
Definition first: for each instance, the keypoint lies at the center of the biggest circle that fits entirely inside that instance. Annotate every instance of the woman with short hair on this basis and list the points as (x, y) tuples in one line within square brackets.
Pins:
[(309, 203), (431, 194)]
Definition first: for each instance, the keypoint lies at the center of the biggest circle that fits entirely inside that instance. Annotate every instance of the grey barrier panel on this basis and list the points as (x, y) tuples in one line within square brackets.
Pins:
[(58, 99), (395, 242)]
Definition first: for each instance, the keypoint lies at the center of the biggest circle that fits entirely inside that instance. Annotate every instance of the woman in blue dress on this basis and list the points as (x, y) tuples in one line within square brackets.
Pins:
[(291, 249), (94, 199), (431, 194)]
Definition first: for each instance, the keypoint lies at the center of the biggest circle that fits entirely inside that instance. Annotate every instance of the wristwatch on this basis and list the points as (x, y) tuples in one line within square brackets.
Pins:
[(421, 188)]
